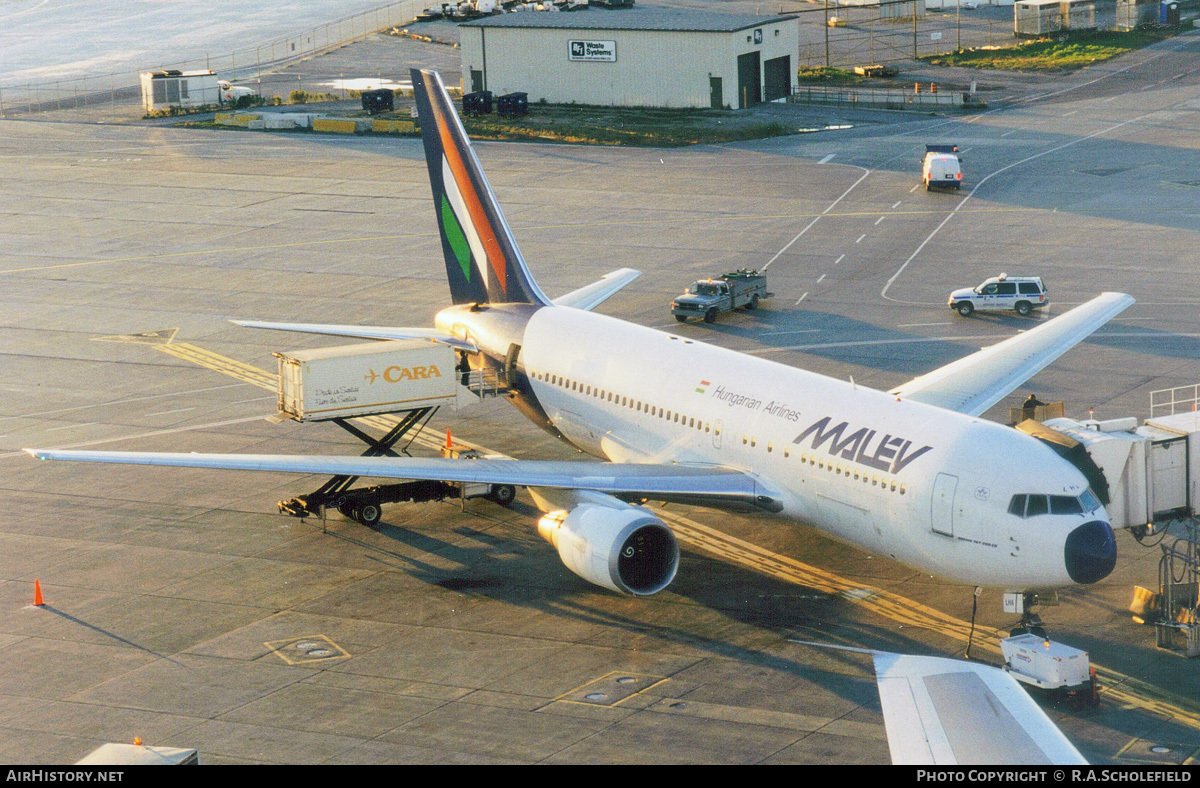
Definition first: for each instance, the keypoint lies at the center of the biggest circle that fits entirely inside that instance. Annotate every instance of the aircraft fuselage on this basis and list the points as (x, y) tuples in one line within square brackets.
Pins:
[(927, 486)]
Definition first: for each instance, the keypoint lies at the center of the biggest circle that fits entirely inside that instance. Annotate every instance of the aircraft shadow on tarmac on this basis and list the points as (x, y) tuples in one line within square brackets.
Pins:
[(748, 600)]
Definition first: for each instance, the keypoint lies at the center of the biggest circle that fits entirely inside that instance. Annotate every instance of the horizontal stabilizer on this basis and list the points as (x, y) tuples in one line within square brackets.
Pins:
[(674, 481), (369, 332), (975, 383), (591, 296)]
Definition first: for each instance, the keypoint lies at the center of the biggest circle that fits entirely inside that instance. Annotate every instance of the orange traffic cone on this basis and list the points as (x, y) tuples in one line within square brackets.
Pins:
[(37, 594), (449, 442)]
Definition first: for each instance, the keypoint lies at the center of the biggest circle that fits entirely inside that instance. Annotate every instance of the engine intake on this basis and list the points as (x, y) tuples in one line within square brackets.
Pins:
[(624, 549)]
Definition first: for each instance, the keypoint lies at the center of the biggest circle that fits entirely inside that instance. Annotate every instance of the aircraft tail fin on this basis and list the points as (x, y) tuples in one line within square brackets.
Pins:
[(483, 263)]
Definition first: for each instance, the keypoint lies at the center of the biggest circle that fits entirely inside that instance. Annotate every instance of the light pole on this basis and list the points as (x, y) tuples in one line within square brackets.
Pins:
[(914, 29), (826, 33)]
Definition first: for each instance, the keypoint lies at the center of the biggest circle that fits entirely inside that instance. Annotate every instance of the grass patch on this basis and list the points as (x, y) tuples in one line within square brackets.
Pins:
[(640, 126), (586, 125), (1078, 51), (822, 75)]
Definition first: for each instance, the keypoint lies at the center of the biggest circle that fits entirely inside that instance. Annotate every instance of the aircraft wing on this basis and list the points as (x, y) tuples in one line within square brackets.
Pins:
[(975, 383), (666, 481), (369, 332), (591, 296), (944, 712)]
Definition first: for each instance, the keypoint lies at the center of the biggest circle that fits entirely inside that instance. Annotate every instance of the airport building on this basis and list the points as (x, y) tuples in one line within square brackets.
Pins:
[(648, 57)]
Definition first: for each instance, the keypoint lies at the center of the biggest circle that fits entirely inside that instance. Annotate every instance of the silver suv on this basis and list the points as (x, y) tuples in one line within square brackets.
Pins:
[(1022, 294)]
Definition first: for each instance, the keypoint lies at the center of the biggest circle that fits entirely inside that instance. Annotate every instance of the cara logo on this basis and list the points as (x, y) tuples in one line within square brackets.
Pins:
[(397, 374)]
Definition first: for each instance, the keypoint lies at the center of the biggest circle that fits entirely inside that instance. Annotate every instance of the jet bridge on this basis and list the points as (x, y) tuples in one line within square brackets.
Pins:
[(1152, 471), (1148, 477)]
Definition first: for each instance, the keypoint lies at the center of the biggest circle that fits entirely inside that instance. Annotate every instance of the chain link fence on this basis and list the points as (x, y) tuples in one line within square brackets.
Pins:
[(242, 64), (889, 32)]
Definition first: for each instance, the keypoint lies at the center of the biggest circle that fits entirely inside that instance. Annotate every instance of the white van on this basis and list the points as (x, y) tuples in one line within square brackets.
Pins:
[(941, 167)]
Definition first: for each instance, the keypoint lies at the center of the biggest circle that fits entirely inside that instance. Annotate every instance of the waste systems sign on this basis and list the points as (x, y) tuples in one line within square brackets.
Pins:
[(592, 51)]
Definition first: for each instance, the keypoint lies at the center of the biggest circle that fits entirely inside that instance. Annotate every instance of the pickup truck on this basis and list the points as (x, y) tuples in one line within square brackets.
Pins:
[(709, 297)]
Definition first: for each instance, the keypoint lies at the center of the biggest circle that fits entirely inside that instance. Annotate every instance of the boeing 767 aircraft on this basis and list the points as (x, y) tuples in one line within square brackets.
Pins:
[(913, 473)]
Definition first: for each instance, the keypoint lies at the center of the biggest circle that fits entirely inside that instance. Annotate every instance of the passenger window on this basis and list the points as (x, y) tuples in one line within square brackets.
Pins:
[(988, 289), (1017, 505), (1007, 288), (1028, 288), (1036, 506)]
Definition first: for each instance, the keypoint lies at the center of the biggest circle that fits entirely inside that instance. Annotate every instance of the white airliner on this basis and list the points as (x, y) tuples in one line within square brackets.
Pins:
[(913, 473)]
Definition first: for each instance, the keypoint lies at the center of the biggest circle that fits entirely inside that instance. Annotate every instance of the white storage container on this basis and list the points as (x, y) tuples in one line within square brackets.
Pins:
[(365, 379)]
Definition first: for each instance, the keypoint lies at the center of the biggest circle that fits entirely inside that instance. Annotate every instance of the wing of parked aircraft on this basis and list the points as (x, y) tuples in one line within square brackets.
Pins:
[(667, 481), (975, 383), (944, 712)]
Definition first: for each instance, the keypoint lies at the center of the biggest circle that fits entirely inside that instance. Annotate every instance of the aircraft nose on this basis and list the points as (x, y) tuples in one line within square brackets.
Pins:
[(1090, 552)]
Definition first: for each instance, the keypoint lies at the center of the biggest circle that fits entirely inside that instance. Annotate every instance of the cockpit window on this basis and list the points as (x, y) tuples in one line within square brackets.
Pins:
[(1089, 501), (1026, 505), (1065, 504)]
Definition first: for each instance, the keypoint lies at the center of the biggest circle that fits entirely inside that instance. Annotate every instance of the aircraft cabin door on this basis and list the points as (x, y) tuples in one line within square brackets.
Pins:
[(717, 434), (942, 507)]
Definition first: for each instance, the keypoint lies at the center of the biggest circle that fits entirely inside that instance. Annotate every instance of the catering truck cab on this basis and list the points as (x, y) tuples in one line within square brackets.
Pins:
[(941, 167)]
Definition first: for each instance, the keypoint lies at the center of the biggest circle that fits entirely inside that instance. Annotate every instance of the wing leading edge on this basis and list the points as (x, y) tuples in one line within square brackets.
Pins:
[(975, 383), (661, 482)]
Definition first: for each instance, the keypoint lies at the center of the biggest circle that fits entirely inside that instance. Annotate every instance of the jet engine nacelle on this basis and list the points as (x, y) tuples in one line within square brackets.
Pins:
[(624, 549)]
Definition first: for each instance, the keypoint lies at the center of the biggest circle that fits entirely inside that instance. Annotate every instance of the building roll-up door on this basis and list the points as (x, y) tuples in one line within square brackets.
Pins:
[(749, 80), (777, 78)]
